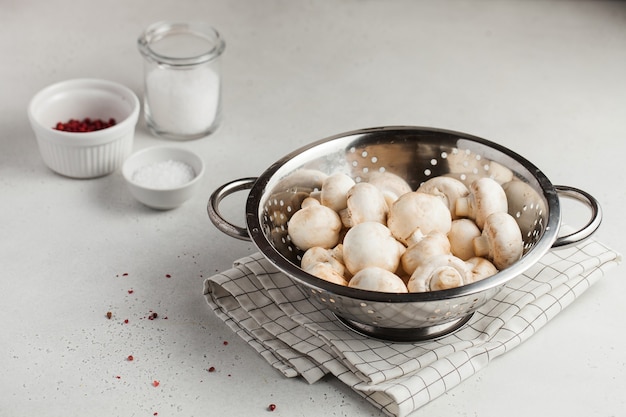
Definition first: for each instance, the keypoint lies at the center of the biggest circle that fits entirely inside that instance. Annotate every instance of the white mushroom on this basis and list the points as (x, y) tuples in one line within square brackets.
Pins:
[(391, 185), (416, 214), (525, 204), (501, 240), (461, 237), (433, 244), (334, 191), (332, 257), (480, 268), (365, 203), (486, 197), (371, 244), (377, 279), (314, 225), (448, 189), (440, 273), (326, 272)]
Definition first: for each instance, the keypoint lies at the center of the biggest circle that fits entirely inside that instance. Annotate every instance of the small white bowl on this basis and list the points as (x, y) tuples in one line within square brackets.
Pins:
[(84, 154), (166, 163)]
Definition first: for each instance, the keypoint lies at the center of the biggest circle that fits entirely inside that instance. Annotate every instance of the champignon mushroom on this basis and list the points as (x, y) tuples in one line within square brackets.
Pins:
[(525, 204), (416, 214), (461, 237), (391, 185), (371, 244), (500, 241), (377, 279), (433, 244), (316, 255), (448, 189), (480, 268), (486, 197), (334, 191), (314, 225), (440, 273), (326, 272), (365, 203)]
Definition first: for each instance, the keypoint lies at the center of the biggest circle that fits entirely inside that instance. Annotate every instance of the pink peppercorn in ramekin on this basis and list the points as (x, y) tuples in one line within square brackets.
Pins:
[(84, 154)]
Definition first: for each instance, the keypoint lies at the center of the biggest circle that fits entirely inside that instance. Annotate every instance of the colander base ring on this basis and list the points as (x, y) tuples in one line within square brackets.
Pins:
[(421, 334)]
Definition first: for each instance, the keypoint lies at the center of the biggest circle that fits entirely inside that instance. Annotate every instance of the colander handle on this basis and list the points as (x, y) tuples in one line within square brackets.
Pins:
[(593, 223), (217, 196)]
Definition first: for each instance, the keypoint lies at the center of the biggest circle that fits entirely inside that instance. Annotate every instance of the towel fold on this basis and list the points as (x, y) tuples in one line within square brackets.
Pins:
[(299, 338)]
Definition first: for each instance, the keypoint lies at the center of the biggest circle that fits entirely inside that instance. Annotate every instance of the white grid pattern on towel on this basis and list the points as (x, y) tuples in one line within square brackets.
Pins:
[(297, 337)]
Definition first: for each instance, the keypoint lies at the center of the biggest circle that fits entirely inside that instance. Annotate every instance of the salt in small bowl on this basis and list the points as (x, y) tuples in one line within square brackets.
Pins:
[(163, 177)]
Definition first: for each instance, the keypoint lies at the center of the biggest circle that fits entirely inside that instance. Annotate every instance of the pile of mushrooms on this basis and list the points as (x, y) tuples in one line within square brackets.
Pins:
[(380, 235)]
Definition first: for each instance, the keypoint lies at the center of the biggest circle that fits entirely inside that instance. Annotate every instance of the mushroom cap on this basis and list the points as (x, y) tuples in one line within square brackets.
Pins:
[(317, 254), (461, 237), (326, 272), (486, 197), (441, 272), (391, 185), (420, 213), (371, 244), (501, 240), (525, 204), (334, 191), (314, 225), (433, 244), (480, 268), (448, 189), (377, 279), (365, 203)]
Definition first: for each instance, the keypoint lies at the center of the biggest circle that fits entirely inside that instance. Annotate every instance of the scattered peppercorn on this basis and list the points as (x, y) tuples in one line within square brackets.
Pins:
[(168, 276), (85, 125), (272, 407), (153, 316), (211, 369), (125, 321), (225, 342), (109, 315), (130, 358)]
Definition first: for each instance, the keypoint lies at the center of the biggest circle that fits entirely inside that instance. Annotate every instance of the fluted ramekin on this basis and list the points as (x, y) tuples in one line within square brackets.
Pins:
[(84, 154)]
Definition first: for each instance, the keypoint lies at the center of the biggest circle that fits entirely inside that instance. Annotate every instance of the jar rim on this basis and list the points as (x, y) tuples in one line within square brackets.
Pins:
[(159, 31)]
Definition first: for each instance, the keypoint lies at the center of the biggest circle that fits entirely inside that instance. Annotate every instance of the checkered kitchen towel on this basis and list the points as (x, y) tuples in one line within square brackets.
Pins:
[(274, 316)]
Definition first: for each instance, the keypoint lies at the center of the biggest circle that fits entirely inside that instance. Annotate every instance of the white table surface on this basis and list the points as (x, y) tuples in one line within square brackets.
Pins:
[(544, 78)]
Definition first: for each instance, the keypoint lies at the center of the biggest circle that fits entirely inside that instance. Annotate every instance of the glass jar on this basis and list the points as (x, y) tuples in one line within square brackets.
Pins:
[(182, 83)]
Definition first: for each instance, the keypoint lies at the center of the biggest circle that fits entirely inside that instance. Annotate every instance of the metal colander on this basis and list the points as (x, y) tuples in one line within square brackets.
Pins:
[(415, 154)]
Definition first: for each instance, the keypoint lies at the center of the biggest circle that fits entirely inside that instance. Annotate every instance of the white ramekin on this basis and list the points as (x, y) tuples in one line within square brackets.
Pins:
[(86, 154)]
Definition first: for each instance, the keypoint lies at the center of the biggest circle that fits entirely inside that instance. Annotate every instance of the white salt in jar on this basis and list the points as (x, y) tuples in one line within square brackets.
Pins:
[(182, 82)]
